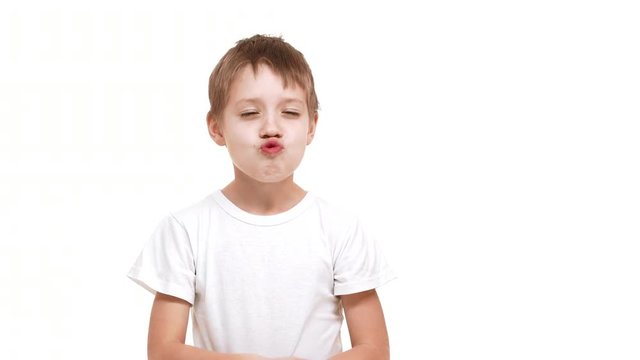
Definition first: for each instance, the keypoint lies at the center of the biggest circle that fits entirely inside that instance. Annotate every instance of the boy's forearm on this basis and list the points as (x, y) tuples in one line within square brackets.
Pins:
[(178, 351), (362, 352)]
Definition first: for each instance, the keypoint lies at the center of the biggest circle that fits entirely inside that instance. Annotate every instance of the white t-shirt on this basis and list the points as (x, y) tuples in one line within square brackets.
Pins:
[(262, 284)]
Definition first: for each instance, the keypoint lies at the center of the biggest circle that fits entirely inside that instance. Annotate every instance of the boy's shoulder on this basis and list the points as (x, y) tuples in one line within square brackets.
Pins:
[(336, 215), (194, 210), (334, 208)]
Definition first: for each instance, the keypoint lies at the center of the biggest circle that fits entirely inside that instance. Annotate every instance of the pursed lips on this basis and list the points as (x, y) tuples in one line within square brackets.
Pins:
[(271, 147)]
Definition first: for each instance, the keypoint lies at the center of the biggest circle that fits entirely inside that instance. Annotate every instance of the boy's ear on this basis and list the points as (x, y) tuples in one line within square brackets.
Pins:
[(215, 130), (312, 127)]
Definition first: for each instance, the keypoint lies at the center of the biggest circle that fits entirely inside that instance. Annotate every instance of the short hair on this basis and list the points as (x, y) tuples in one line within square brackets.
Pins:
[(280, 56)]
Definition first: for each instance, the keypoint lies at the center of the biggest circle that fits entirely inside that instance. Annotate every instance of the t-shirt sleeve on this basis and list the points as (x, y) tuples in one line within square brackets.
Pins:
[(359, 264), (166, 264)]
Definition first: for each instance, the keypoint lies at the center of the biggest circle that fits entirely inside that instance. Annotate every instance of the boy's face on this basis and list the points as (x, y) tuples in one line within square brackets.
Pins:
[(265, 126)]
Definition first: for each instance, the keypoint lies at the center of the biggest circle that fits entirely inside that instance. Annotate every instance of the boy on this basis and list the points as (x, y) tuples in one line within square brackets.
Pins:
[(267, 266)]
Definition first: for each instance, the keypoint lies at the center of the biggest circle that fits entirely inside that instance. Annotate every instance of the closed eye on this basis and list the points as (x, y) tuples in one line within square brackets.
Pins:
[(248, 114), (291, 113)]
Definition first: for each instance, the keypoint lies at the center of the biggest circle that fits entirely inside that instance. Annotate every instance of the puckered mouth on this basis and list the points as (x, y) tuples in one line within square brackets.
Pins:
[(271, 147)]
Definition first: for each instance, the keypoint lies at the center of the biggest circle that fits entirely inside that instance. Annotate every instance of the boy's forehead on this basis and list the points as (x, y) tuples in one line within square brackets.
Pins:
[(247, 72), (247, 83)]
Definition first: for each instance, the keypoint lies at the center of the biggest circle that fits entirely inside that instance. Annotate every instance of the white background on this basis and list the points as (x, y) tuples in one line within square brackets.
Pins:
[(493, 146)]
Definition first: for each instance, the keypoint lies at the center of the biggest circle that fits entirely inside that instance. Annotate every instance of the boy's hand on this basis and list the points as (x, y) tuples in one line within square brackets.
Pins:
[(258, 357)]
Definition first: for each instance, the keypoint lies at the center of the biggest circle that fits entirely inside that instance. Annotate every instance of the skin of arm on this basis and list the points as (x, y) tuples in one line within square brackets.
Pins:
[(367, 327), (168, 329)]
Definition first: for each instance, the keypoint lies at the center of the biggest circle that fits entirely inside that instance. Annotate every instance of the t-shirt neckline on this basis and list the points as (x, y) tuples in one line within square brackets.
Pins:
[(262, 220)]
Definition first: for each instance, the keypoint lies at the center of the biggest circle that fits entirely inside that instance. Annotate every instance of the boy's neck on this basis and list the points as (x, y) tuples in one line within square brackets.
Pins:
[(263, 198)]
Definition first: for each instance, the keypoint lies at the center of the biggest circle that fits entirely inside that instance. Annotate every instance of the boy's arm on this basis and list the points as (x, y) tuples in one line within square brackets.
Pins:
[(167, 332), (367, 328)]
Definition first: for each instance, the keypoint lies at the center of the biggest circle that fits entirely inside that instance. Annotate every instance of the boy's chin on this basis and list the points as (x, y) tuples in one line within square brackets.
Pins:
[(268, 177)]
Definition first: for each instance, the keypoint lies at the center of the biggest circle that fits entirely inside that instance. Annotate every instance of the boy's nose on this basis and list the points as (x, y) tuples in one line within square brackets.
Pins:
[(270, 127)]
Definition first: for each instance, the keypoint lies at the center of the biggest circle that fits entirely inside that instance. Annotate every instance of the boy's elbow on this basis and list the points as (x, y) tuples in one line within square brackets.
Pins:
[(161, 351), (153, 353), (383, 353), (378, 352)]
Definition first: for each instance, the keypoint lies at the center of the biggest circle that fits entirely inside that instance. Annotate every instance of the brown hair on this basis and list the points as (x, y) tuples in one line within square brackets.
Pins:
[(280, 56)]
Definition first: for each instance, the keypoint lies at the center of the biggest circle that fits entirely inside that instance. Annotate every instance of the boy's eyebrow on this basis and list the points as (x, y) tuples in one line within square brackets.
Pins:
[(293, 99), (249, 100), (283, 101)]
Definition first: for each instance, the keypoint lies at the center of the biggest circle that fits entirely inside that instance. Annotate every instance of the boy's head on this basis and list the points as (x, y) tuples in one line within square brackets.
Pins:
[(263, 108), (283, 59)]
